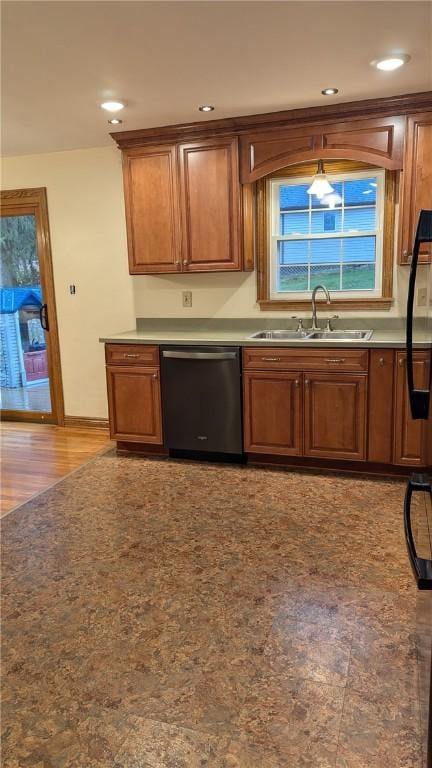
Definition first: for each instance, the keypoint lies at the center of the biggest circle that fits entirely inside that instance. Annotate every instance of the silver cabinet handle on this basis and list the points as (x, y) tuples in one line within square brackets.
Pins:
[(199, 355), (271, 359), (335, 360), (130, 355)]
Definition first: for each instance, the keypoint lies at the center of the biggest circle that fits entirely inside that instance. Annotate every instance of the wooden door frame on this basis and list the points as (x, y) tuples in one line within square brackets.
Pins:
[(34, 201)]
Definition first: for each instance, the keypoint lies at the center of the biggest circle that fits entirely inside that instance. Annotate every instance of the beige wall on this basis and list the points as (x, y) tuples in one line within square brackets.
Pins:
[(86, 213), (85, 199)]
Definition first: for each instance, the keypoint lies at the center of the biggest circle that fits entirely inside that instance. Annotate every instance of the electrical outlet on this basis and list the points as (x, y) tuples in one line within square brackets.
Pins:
[(187, 298), (422, 297)]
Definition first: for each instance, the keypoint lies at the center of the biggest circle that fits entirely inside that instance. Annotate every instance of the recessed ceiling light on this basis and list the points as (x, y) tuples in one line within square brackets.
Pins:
[(206, 108), (329, 91), (112, 106), (389, 63), (115, 121)]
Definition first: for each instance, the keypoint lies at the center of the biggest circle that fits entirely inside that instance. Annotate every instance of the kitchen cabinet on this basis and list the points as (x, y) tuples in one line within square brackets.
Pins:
[(380, 406), (272, 412), (370, 140), (210, 206), (416, 187), (134, 398), (183, 207), (335, 415), (317, 410), (152, 210), (412, 439)]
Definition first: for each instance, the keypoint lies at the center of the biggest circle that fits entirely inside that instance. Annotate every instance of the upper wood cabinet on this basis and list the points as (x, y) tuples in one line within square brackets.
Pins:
[(416, 188), (372, 140), (152, 209), (210, 205), (183, 207)]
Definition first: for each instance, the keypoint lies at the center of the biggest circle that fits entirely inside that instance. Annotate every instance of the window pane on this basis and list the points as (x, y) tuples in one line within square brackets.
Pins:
[(329, 275), (359, 249), (326, 221), (359, 219), (360, 191), (293, 251), (294, 197), (294, 223), (325, 250), (293, 278), (358, 277)]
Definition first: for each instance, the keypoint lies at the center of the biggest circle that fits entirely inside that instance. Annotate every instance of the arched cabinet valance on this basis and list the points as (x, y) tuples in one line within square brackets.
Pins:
[(377, 141)]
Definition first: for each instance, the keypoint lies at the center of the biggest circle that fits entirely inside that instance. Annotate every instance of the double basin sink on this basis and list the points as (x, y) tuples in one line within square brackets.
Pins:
[(308, 335)]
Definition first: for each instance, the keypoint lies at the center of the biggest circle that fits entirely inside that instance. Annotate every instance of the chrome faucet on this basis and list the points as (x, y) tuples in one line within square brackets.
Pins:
[(314, 312)]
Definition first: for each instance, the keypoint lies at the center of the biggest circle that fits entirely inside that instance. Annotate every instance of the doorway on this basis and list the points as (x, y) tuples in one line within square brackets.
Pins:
[(30, 374)]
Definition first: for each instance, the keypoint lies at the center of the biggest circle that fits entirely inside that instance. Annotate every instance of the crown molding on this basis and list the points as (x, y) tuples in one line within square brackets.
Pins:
[(393, 105)]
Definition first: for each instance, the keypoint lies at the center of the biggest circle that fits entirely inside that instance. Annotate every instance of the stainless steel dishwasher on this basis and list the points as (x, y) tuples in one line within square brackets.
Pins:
[(201, 397)]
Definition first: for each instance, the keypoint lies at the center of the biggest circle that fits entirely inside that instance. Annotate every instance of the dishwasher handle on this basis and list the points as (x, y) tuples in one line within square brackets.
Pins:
[(178, 355)]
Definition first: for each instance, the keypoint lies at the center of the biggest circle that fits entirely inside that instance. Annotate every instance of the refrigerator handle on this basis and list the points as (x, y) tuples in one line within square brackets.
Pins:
[(419, 398), (422, 569)]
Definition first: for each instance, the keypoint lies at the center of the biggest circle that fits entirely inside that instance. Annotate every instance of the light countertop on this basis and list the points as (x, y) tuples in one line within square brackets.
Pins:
[(394, 339)]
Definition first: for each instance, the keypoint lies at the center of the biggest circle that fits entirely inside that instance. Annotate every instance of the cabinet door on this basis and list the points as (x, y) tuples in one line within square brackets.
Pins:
[(335, 416), (272, 413), (416, 192), (152, 212), (134, 404), (380, 406), (210, 205), (410, 437)]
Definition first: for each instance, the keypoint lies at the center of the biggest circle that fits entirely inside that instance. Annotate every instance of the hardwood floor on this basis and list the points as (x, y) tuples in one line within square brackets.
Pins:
[(33, 456)]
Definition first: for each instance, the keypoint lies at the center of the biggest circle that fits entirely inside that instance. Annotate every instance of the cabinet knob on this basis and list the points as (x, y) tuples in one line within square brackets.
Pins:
[(155, 375), (401, 362), (297, 383), (306, 382), (185, 262), (381, 361), (178, 262)]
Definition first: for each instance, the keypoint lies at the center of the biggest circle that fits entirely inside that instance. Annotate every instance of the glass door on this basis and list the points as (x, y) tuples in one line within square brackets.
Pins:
[(30, 381)]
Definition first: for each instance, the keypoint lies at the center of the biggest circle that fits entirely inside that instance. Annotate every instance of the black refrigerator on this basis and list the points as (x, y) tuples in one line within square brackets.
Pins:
[(418, 495)]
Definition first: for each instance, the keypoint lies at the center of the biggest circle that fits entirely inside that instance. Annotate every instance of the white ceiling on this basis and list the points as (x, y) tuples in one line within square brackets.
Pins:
[(60, 59)]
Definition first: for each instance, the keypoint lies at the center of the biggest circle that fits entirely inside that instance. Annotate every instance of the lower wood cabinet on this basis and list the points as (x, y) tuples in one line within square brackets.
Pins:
[(412, 444), (134, 404), (335, 415), (272, 412)]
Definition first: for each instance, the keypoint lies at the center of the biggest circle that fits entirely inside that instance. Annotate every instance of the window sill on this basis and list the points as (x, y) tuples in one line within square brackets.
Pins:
[(380, 304)]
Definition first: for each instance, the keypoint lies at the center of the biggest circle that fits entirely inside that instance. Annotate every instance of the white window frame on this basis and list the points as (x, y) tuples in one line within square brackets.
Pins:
[(273, 187)]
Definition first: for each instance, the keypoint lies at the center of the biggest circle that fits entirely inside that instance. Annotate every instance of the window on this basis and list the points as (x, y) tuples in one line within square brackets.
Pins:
[(337, 241)]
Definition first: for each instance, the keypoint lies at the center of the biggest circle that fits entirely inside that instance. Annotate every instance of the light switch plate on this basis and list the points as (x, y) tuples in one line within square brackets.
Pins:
[(187, 298)]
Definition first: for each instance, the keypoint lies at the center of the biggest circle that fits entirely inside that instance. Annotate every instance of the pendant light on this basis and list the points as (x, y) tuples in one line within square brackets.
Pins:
[(320, 185)]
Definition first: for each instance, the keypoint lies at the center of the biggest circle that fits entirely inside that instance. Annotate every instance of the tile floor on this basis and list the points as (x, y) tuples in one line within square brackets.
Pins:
[(161, 614)]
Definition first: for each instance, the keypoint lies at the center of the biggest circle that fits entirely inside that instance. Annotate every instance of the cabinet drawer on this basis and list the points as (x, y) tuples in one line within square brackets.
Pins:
[(290, 358), (131, 354)]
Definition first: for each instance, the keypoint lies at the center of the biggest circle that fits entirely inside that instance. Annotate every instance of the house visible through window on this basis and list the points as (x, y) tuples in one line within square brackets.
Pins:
[(336, 240)]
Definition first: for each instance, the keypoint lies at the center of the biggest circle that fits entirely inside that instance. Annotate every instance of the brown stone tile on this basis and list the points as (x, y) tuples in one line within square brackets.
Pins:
[(384, 662), (309, 651), (292, 717), (378, 733)]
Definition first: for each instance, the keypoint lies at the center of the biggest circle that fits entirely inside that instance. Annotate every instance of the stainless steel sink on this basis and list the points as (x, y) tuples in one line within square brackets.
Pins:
[(281, 335), (340, 335), (308, 335)]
